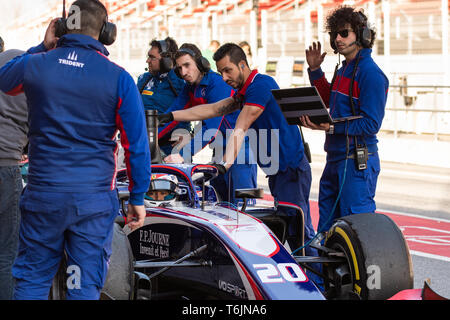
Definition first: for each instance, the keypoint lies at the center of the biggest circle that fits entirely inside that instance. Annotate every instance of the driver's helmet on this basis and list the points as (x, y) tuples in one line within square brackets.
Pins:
[(163, 190)]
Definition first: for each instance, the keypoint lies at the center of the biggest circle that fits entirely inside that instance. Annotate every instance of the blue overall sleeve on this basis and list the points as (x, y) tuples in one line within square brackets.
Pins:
[(130, 121), (12, 74)]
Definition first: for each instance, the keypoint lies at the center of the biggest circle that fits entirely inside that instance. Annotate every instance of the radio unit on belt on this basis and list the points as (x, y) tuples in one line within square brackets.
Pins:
[(361, 156)]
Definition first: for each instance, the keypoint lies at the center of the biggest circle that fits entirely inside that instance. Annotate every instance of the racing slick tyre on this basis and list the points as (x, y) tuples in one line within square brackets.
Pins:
[(378, 262), (119, 284)]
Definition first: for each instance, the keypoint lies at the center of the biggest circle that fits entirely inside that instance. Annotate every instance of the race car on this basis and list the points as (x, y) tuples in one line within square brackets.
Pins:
[(193, 246)]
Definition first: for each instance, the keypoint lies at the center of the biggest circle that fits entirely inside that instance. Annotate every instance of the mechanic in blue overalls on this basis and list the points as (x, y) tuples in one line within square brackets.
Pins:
[(285, 164), (349, 184), (160, 86), (78, 100), (206, 86)]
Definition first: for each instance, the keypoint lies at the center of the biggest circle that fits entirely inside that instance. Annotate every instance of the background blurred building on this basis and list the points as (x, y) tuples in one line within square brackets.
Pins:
[(412, 44)]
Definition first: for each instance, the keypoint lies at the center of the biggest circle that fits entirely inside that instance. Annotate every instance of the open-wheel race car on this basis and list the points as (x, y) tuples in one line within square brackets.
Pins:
[(196, 247)]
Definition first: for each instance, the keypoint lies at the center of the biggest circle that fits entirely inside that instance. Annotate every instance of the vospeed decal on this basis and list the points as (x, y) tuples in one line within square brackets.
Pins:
[(269, 273)]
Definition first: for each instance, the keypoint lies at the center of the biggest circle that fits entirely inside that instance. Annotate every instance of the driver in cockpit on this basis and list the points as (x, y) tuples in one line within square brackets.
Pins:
[(163, 190)]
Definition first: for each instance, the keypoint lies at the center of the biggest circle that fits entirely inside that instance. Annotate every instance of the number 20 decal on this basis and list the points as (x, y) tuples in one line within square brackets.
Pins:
[(269, 273)]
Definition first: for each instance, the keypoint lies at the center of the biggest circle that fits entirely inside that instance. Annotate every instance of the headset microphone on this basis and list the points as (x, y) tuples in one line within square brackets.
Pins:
[(351, 44)]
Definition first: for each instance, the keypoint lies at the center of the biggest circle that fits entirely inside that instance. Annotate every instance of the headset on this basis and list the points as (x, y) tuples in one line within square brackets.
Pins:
[(108, 32), (363, 34), (202, 63), (166, 62)]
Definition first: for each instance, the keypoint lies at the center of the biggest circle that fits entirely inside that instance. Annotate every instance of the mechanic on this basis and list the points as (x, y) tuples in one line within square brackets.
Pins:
[(13, 138), (160, 86), (70, 202), (290, 184), (360, 78), (206, 86)]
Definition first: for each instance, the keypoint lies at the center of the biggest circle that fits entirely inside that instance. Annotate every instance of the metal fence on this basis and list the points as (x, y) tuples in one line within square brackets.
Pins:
[(418, 109)]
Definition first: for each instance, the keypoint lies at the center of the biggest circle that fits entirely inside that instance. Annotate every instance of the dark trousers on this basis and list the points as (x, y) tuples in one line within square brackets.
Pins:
[(10, 189)]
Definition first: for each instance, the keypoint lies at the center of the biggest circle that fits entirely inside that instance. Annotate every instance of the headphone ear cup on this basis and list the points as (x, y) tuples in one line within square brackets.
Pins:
[(177, 73), (165, 64), (108, 33), (365, 37), (203, 64), (60, 27)]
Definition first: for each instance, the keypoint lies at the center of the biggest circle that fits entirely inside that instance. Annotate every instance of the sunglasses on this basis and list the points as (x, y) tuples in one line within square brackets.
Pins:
[(342, 33)]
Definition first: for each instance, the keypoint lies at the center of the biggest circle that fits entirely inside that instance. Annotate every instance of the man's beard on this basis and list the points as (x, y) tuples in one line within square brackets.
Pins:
[(240, 81)]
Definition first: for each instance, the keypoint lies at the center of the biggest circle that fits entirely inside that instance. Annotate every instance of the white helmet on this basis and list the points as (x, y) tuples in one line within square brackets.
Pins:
[(166, 185)]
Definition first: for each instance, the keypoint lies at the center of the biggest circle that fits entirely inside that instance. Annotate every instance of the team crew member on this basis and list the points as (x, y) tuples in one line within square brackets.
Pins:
[(70, 201), (13, 138), (206, 86), (290, 184), (160, 86), (350, 36)]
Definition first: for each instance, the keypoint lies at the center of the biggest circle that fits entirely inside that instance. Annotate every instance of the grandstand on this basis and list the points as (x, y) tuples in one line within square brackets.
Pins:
[(412, 42)]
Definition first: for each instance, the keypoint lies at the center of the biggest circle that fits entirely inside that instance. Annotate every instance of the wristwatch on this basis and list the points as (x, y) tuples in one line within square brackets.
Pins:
[(331, 129)]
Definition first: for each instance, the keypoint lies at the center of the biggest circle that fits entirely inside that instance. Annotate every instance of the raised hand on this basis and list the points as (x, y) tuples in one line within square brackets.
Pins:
[(314, 56), (50, 38)]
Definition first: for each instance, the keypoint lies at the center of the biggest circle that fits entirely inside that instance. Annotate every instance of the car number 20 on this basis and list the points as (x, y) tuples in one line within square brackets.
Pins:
[(269, 273)]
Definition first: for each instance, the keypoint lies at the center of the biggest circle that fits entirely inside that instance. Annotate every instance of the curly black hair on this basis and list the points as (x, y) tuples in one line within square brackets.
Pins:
[(343, 15)]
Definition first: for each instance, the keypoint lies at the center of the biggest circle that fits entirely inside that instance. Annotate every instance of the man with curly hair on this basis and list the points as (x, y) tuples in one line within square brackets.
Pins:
[(359, 87)]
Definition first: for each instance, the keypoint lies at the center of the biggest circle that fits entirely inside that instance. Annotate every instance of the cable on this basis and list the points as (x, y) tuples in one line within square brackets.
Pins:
[(338, 197)]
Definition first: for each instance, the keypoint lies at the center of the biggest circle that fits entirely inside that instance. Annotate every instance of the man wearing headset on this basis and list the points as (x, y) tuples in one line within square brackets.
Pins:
[(289, 174), (78, 100), (160, 86), (205, 86), (353, 164)]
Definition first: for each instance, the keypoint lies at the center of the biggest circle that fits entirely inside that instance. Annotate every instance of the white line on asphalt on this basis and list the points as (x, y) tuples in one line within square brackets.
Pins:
[(412, 215), (429, 255), (413, 174)]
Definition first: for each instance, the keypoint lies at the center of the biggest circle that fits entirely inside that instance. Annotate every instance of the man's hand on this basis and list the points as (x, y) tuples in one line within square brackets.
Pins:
[(174, 158), (306, 122), (314, 57), (50, 39), (135, 216), (165, 118)]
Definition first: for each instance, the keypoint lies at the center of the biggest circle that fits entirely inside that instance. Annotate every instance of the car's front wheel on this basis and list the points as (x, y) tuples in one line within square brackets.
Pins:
[(378, 263)]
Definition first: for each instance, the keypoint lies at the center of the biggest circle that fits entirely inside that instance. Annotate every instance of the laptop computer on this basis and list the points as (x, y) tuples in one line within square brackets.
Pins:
[(296, 102)]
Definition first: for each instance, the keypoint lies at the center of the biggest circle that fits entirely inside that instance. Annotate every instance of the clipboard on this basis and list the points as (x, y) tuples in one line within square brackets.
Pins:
[(297, 102)]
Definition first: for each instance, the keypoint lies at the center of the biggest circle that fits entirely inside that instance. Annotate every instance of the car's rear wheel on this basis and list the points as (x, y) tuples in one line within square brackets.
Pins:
[(378, 263)]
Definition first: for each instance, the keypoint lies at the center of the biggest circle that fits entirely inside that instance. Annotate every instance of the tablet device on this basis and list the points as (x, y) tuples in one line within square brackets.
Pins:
[(297, 102)]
